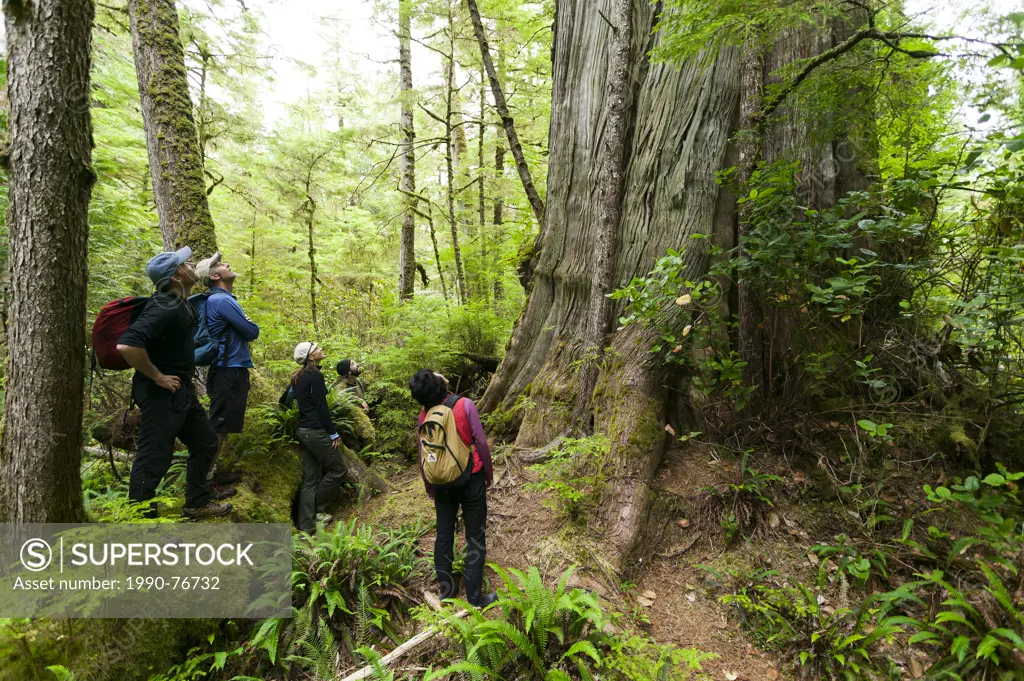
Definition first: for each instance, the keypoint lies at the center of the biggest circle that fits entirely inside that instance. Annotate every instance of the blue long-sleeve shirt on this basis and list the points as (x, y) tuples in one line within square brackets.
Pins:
[(227, 323)]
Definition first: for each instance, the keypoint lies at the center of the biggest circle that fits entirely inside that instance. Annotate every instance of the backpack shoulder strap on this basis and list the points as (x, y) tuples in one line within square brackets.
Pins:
[(451, 401)]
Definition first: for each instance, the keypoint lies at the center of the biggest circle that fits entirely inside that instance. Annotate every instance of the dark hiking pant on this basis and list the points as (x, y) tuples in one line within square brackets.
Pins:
[(323, 471), (473, 499), (166, 416)]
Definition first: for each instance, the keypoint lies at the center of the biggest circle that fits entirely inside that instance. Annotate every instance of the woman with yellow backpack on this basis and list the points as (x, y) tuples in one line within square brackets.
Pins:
[(455, 463)]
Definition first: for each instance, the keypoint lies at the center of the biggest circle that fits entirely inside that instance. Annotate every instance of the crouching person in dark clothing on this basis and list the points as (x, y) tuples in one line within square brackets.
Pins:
[(451, 436), (323, 468), (160, 346)]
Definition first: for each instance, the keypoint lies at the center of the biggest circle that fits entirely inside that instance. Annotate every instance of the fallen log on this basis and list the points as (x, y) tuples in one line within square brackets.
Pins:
[(413, 643), (120, 454), (363, 474)]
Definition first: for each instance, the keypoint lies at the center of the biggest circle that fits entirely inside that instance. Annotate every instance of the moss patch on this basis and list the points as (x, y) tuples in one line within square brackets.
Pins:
[(123, 649), (271, 482), (404, 507)]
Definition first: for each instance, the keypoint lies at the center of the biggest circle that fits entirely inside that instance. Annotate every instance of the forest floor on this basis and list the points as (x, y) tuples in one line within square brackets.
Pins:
[(524, 531)]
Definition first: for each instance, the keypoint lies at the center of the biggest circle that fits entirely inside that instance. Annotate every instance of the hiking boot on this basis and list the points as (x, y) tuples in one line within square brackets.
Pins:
[(324, 518), (485, 600), (225, 478), (153, 512), (223, 492), (211, 510)]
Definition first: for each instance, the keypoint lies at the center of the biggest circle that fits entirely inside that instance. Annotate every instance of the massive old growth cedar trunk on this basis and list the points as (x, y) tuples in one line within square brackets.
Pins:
[(50, 182), (680, 125), (175, 163), (407, 249)]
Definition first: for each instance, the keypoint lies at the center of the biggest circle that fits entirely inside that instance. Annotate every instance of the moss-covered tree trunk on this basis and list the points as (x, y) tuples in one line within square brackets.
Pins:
[(50, 180), (679, 129), (175, 161), (407, 250)]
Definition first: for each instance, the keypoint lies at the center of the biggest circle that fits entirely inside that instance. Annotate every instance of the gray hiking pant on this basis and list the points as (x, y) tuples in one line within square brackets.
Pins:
[(323, 471)]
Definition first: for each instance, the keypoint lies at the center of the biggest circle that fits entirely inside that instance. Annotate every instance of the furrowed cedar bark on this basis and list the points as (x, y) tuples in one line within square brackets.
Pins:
[(678, 139), (407, 250), (501, 105), (749, 343), (50, 180), (610, 166), (175, 160)]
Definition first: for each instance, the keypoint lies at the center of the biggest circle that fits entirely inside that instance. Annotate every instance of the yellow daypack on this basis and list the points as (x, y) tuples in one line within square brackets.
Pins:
[(445, 458)]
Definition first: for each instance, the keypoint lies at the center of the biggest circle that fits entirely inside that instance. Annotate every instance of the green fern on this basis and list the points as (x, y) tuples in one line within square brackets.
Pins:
[(61, 672), (364, 615), (545, 631), (373, 658)]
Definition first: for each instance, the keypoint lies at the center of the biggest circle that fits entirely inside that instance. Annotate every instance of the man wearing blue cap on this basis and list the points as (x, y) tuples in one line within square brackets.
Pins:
[(160, 346)]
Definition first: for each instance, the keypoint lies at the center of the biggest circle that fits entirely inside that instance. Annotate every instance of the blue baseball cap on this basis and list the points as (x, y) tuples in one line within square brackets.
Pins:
[(162, 266)]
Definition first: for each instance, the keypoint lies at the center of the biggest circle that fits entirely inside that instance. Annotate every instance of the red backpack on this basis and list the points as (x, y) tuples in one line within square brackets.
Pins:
[(112, 321)]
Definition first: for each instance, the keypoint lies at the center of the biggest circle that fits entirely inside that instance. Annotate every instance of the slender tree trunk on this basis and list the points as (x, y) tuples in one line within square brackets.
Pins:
[(175, 160), (498, 238), (310, 221), (619, 96), (407, 251), (50, 180), (506, 118), (749, 146), (463, 208), (201, 124), (252, 255), (481, 179), (437, 254), (460, 273)]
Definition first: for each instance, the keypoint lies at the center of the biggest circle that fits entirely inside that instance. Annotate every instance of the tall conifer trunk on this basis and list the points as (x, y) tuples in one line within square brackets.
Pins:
[(678, 138), (175, 160), (609, 195), (450, 151), (506, 118), (50, 180), (481, 277), (407, 250), (749, 313)]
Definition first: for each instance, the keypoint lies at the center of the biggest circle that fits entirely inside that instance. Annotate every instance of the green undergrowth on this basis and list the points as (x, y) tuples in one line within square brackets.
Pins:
[(576, 475), (97, 650), (553, 634), (938, 588), (270, 483)]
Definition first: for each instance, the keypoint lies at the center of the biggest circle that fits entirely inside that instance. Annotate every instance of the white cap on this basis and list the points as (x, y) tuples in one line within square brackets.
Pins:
[(204, 267), (303, 350)]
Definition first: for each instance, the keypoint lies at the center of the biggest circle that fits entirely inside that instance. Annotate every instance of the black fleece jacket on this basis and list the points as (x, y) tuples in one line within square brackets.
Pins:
[(311, 393)]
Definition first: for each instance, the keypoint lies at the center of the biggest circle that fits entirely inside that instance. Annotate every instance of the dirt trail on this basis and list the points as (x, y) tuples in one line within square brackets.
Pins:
[(522, 531)]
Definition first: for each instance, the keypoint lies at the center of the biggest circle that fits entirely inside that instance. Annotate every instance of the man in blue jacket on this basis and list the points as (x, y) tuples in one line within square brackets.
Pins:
[(228, 380)]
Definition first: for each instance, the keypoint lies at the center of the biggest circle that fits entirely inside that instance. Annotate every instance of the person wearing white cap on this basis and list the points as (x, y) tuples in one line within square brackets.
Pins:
[(228, 380), (323, 468), (160, 346)]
